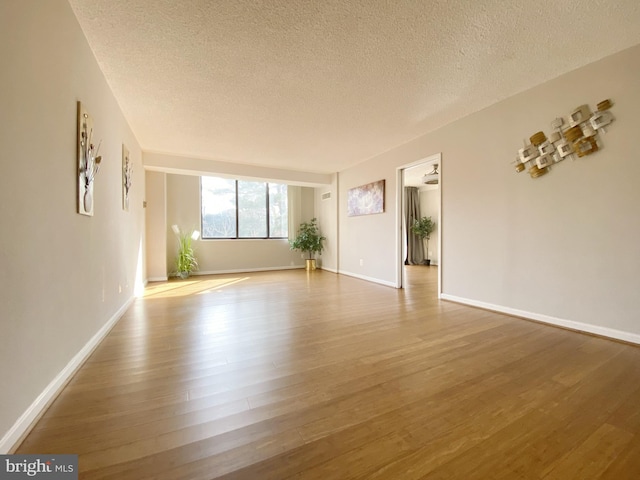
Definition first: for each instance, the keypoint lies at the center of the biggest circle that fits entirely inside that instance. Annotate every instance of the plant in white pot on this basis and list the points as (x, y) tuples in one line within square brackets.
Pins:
[(186, 261), (308, 240), (424, 227)]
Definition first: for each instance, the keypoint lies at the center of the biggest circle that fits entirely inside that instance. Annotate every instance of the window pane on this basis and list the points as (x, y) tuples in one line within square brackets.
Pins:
[(252, 209), (218, 207), (278, 211)]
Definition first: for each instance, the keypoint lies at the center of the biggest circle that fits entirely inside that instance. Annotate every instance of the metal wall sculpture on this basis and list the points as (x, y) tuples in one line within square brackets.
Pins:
[(577, 136)]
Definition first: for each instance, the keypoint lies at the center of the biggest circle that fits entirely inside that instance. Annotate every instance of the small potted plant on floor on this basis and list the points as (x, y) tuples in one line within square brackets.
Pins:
[(424, 227), (186, 260), (308, 240)]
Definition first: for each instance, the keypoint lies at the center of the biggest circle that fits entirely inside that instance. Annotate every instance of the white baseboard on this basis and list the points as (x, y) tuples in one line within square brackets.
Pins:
[(26, 420), (368, 279), (156, 279), (247, 270), (560, 322), (332, 270)]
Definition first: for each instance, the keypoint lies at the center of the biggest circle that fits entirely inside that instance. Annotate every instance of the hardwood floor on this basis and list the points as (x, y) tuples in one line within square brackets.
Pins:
[(318, 376)]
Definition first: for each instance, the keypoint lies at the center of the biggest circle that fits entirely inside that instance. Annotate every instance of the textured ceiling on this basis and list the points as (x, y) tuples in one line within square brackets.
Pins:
[(322, 85)]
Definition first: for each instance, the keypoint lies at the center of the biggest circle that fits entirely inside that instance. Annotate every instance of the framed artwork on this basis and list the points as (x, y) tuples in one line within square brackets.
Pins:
[(127, 170), (88, 161), (366, 199)]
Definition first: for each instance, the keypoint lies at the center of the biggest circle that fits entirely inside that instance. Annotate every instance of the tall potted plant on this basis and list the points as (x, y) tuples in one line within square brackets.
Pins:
[(424, 227), (186, 261), (308, 240)]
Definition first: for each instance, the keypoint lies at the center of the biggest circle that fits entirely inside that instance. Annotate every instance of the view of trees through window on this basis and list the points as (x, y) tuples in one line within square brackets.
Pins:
[(243, 209)]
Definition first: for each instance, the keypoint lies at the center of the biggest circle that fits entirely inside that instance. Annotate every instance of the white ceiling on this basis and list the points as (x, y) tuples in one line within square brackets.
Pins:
[(322, 85)]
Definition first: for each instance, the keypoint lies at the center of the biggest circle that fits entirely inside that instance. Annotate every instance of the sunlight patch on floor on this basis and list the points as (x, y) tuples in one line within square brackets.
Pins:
[(181, 288)]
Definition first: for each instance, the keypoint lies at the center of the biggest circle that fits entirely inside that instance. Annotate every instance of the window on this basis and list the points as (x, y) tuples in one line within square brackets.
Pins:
[(242, 209)]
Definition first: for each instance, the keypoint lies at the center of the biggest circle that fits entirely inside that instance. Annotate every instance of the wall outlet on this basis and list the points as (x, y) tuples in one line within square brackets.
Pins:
[(119, 288), (361, 262)]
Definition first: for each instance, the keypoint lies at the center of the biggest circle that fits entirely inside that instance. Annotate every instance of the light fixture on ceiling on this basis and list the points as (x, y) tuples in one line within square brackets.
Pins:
[(431, 178)]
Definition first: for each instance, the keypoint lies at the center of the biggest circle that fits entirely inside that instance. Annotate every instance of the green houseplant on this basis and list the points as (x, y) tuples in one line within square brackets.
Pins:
[(424, 227), (308, 240), (186, 261)]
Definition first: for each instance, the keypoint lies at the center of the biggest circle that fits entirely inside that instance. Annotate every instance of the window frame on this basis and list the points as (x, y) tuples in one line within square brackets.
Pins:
[(237, 217)]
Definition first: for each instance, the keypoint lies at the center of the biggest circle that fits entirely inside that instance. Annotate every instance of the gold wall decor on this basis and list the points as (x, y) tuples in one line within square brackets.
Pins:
[(576, 136)]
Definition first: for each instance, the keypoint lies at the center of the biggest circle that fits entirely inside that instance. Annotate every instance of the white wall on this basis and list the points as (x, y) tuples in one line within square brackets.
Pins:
[(181, 165), (429, 207), (370, 239), (326, 213), (216, 256), (563, 247), (156, 225), (66, 275)]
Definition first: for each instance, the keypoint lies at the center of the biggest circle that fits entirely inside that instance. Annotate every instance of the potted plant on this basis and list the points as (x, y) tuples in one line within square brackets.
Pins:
[(308, 240), (186, 260), (424, 227)]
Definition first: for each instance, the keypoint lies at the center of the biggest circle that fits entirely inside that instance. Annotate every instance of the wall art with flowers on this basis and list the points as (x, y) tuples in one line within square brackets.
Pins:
[(366, 199), (127, 171), (88, 161)]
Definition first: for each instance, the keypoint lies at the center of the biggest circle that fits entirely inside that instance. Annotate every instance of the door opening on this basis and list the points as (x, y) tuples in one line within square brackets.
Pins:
[(421, 176)]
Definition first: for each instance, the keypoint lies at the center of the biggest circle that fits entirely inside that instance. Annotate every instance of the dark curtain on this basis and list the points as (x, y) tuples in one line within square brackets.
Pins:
[(415, 245)]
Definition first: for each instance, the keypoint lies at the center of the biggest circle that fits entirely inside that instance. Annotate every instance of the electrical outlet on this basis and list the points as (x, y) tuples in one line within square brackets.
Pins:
[(119, 288), (361, 262)]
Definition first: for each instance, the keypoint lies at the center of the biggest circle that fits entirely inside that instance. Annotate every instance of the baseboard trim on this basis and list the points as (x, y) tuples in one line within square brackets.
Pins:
[(332, 270), (559, 322), (368, 279), (247, 270), (23, 425), (156, 279)]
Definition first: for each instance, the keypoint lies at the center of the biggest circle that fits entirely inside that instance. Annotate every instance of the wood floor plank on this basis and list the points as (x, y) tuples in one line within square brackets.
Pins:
[(291, 374), (593, 456), (626, 463)]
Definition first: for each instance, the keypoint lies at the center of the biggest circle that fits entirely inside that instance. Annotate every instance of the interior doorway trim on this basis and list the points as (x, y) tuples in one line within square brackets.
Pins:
[(400, 203)]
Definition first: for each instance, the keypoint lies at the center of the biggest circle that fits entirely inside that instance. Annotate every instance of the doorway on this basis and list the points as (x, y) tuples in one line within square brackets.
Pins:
[(414, 175)]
